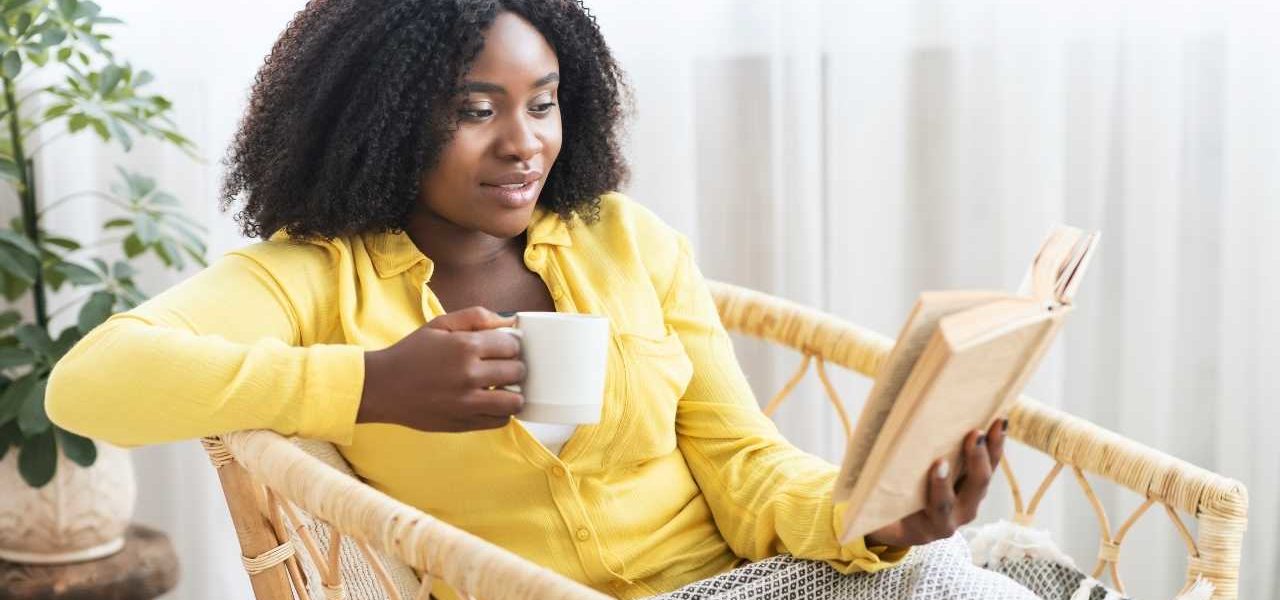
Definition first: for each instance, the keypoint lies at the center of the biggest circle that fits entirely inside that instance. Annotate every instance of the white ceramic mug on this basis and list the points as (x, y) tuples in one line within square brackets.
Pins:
[(565, 357)]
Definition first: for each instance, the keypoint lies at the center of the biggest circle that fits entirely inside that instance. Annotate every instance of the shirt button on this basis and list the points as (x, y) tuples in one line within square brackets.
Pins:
[(583, 534), (558, 471)]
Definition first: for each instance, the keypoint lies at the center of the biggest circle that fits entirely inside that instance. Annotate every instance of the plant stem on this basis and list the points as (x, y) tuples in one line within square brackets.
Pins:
[(86, 193), (26, 191), (71, 304), (111, 241)]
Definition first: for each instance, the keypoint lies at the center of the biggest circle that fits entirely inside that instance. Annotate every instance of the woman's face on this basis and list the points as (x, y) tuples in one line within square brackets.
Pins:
[(490, 174)]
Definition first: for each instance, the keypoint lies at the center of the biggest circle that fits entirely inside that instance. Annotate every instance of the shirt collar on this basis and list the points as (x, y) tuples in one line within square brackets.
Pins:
[(393, 253)]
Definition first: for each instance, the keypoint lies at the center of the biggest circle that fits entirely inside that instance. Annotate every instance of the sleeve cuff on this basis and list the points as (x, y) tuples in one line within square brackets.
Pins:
[(334, 385), (858, 557)]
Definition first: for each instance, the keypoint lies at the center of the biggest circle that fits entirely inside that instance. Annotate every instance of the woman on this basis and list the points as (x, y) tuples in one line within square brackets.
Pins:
[(421, 166)]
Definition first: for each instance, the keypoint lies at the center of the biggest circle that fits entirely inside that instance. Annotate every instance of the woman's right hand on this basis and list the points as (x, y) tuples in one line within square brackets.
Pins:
[(439, 377)]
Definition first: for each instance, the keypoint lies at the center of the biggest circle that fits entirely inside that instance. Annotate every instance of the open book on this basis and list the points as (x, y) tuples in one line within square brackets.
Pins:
[(959, 362)]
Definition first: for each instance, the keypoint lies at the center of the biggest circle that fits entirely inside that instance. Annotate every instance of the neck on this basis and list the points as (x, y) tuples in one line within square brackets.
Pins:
[(455, 250)]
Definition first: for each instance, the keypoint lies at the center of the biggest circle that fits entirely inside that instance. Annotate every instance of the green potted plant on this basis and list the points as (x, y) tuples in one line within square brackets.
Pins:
[(59, 78)]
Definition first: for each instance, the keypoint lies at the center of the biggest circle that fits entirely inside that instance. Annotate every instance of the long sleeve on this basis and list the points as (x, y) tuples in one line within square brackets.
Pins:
[(766, 495), (218, 352)]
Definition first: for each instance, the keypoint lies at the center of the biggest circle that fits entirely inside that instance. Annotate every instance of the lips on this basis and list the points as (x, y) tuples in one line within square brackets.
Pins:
[(517, 189), (514, 180)]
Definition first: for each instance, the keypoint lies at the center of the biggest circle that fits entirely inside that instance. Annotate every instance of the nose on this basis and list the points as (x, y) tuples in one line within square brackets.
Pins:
[(520, 140)]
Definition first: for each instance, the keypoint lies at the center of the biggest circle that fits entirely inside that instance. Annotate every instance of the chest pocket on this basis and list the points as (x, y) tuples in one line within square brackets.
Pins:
[(657, 372)]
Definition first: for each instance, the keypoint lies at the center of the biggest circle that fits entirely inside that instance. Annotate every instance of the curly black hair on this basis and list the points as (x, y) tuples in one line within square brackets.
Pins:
[(356, 100)]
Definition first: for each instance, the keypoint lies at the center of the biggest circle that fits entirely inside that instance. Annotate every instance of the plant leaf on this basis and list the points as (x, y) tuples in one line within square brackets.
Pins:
[(57, 110), (101, 129), (111, 77), (120, 270), (20, 241), (38, 459), (8, 319), (78, 274), (95, 311), (65, 243), (11, 64), (19, 266), (133, 246), (81, 450), (165, 198), (54, 36), (15, 357), (126, 140), (9, 170), (146, 229), (66, 340), (171, 250), (87, 9), (54, 278), (13, 287), (24, 23), (34, 337), (77, 122), (38, 58), (13, 397), (9, 436), (132, 295), (32, 419)]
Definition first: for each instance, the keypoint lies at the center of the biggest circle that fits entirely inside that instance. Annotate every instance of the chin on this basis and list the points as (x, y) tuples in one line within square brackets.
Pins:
[(506, 224)]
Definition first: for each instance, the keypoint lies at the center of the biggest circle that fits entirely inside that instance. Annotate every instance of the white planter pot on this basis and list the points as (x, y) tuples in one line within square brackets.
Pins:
[(81, 515)]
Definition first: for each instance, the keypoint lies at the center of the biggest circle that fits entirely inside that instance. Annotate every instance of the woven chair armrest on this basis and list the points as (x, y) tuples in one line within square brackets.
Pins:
[(1154, 474), (1066, 438), (465, 562)]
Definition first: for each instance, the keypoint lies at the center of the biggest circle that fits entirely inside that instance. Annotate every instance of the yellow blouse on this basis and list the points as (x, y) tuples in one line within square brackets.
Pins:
[(682, 479)]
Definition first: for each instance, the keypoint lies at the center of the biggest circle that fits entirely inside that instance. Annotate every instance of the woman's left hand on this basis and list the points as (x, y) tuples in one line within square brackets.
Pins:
[(948, 508)]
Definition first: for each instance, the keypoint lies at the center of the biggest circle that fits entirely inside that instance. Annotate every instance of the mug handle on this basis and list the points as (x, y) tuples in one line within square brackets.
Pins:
[(519, 335)]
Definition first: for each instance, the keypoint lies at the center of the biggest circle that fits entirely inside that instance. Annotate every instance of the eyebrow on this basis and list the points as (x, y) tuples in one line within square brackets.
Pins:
[(485, 87)]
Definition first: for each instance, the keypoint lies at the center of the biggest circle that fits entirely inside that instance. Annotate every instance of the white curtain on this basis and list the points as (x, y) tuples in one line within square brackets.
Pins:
[(849, 155)]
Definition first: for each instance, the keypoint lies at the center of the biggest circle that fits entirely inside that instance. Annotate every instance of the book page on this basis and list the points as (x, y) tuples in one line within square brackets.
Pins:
[(1075, 269)]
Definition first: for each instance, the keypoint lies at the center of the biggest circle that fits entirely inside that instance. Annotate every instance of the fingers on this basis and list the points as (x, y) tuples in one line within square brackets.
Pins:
[(490, 344), (950, 505), (995, 441), (495, 404), (973, 487), (495, 373), (941, 500), (476, 318)]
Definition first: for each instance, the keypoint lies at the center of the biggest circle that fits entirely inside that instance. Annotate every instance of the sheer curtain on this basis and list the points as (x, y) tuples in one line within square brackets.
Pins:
[(849, 155)]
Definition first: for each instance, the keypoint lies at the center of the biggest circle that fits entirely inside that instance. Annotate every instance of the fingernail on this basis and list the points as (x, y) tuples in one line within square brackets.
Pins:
[(982, 440), (507, 315), (943, 469)]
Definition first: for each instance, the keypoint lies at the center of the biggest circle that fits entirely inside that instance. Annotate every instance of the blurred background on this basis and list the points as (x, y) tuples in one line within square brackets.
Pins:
[(849, 155)]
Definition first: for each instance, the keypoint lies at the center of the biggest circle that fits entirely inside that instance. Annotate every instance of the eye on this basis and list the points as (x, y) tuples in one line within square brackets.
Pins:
[(543, 108), (475, 114)]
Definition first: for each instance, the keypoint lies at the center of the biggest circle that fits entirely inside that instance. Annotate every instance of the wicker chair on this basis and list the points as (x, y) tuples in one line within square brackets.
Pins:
[(273, 486)]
